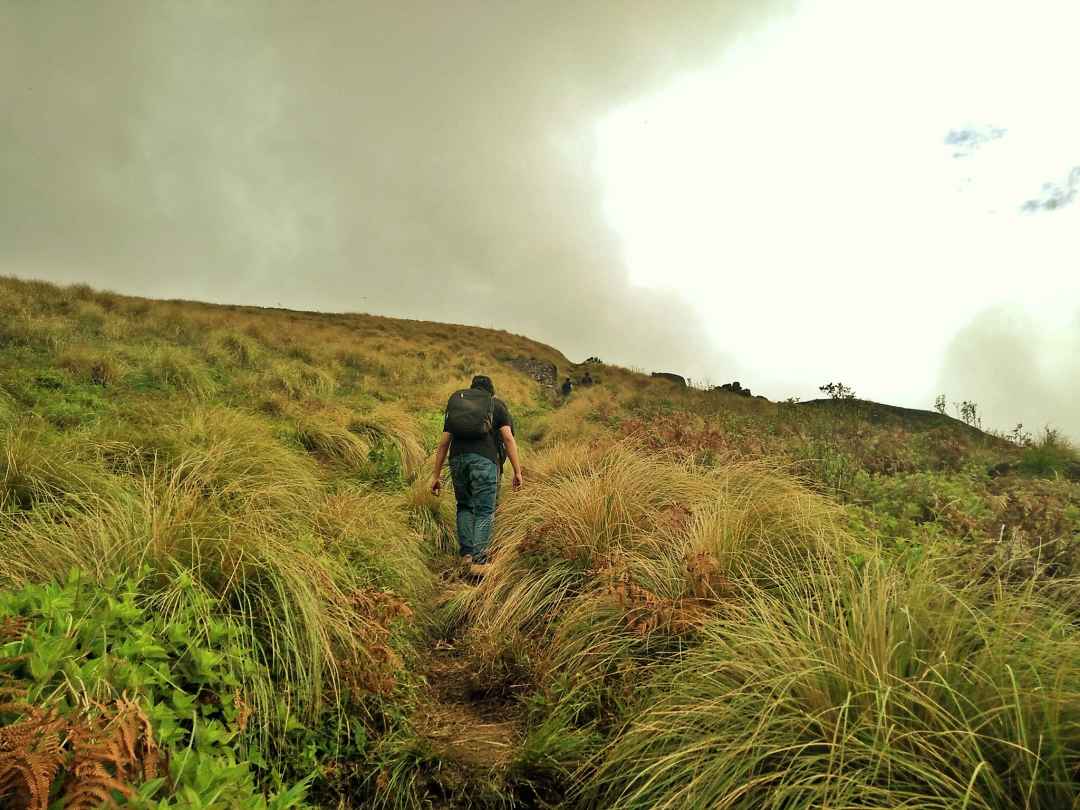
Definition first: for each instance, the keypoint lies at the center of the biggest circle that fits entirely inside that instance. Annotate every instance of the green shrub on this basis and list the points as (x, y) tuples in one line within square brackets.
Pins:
[(97, 657), (1051, 455)]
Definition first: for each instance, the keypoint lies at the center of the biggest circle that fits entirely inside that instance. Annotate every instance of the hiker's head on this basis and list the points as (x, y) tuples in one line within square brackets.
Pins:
[(483, 383)]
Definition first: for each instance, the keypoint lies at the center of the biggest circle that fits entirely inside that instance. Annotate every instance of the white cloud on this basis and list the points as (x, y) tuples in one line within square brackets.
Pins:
[(801, 192)]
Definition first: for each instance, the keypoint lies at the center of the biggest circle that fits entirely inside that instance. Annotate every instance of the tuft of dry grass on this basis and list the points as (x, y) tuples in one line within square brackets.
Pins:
[(610, 550), (368, 533), (874, 688), (96, 366), (174, 367), (38, 467), (393, 424), (332, 439), (234, 349), (582, 418), (297, 379), (435, 517)]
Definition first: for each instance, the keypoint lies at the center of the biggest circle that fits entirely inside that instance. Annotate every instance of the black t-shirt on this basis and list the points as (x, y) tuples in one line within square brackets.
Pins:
[(489, 446)]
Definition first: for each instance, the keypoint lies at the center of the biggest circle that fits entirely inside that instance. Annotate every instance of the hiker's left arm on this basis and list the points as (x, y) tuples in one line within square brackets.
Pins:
[(507, 434), (440, 457)]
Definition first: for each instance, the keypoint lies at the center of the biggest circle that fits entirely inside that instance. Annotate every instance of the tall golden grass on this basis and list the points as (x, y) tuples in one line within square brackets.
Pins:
[(612, 551), (877, 688)]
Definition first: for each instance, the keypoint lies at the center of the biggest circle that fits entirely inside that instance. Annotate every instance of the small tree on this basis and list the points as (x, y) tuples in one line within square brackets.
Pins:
[(1019, 436), (969, 413), (837, 390), (939, 404)]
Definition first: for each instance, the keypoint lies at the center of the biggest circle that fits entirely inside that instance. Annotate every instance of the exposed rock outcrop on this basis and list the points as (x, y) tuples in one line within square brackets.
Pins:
[(543, 372), (734, 388)]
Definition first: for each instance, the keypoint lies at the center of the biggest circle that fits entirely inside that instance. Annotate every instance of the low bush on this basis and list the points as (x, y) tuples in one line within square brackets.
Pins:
[(390, 427)]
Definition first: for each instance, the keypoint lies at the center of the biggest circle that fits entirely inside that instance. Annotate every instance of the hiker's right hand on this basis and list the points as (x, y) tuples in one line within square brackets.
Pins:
[(436, 486), (517, 481)]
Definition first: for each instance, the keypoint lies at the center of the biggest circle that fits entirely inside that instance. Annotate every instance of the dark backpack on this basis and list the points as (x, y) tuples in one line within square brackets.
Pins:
[(470, 414)]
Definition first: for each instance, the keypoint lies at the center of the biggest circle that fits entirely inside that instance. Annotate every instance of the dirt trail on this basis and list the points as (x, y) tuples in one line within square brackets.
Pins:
[(466, 721)]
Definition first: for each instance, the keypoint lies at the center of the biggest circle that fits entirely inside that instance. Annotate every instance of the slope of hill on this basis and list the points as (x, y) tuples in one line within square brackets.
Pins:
[(224, 581), (882, 414)]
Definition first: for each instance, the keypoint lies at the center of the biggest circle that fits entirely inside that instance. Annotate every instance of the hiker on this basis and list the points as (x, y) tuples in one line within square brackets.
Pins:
[(567, 387), (587, 380), (479, 434)]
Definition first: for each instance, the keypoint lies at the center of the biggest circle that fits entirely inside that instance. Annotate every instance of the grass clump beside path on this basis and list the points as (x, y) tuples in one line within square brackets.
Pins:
[(878, 689), (648, 545)]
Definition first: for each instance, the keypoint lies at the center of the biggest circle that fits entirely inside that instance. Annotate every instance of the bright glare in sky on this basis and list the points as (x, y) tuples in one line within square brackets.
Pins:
[(875, 155)]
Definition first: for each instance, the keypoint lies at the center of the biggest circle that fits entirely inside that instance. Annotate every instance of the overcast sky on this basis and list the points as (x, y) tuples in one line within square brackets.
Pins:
[(784, 193)]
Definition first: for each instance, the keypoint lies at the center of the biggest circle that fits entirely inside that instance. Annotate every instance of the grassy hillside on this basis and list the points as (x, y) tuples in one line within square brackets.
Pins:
[(224, 583)]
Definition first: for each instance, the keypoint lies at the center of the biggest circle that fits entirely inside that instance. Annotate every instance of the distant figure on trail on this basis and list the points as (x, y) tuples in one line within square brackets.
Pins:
[(567, 387), (587, 379), (478, 432)]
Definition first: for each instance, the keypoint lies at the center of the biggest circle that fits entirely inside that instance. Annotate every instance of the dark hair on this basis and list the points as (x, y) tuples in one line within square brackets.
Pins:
[(483, 383)]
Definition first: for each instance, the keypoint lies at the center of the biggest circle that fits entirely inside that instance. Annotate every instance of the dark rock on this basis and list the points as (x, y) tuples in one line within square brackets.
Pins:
[(675, 378), (734, 388), (543, 372), (1004, 468)]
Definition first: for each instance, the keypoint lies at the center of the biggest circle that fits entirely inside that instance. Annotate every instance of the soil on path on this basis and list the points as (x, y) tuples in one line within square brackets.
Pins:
[(467, 722)]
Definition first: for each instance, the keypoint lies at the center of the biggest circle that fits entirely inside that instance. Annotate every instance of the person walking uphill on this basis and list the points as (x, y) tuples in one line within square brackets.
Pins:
[(476, 429)]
